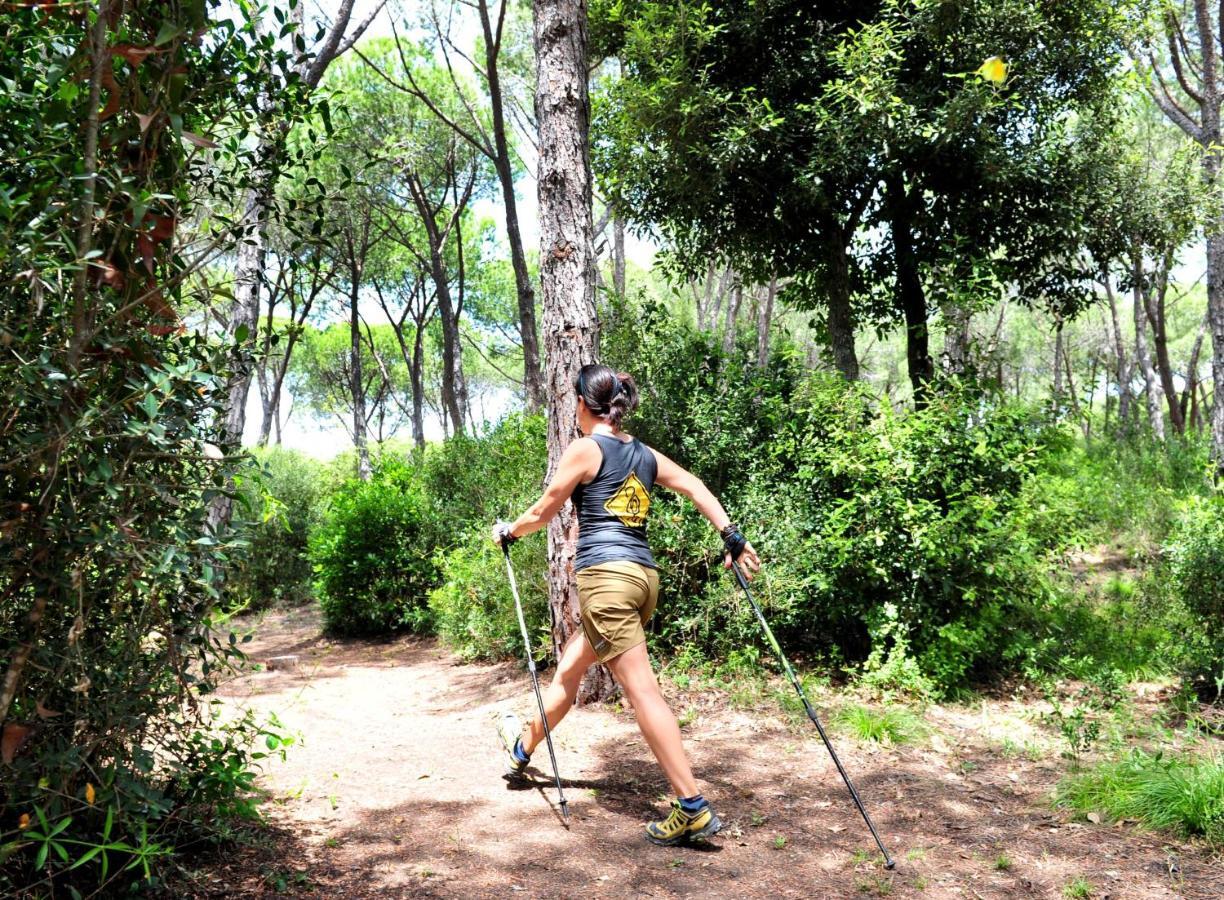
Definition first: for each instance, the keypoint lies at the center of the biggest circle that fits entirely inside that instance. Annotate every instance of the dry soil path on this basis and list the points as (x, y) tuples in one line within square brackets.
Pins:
[(394, 789)]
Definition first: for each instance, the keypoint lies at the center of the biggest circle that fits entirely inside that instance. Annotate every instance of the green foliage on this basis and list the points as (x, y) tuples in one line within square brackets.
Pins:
[(1196, 571), (371, 554), (473, 608), (286, 494), (1183, 793), (109, 561), (473, 482), (889, 538), (893, 726)]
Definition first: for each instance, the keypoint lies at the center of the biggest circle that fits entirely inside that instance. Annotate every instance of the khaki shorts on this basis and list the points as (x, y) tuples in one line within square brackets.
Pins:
[(616, 600)]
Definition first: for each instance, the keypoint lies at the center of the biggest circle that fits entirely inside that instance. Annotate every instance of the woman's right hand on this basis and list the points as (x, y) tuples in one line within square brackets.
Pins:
[(749, 562)]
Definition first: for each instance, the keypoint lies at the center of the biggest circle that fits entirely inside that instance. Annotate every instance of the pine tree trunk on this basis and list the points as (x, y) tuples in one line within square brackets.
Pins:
[(1123, 365), (910, 297), (618, 255), (567, 276), (840, 318), (763, 321), (1152, 391), (356, 384), (533, 379)]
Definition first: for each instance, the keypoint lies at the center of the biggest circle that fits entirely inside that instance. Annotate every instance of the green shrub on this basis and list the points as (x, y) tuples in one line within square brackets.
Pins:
[(1196, 574), (1185, 793), (473, 609), (286, 492), (372, 559), (474, 481)]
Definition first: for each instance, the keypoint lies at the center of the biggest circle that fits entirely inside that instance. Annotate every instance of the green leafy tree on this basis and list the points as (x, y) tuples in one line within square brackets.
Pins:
[(869, 152), (126, 128)]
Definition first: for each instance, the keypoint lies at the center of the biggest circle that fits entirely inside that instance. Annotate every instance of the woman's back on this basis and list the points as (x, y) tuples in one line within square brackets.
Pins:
[(612, 508)]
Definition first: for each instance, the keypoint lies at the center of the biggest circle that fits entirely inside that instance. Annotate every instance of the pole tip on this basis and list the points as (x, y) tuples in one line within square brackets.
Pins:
[(890, 864)]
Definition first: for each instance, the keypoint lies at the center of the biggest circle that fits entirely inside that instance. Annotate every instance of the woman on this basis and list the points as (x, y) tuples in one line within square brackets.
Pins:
[(609, 476)]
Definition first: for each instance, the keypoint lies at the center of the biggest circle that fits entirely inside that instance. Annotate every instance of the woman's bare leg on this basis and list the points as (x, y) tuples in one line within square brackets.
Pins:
[(658, 724), (559, 696)]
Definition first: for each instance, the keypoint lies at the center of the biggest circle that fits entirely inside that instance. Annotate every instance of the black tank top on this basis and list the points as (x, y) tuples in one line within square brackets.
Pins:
[(612, 508)]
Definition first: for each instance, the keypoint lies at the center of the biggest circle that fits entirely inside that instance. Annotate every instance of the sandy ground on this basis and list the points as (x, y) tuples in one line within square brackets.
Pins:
[(394, 789)]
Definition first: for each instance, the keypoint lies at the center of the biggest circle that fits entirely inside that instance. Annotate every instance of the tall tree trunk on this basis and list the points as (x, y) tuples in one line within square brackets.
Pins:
[(618, 255), (1152, 390), (1192, 369), (765, 316), (1058, 369), (533, 379), (957, 320), (1215, 313), (356, 383), (1205, 131), (418, 387), (733, 308), (1122, 369), (910, 297), (567, 275), (840, 319), (244, 314), (1154, 303)]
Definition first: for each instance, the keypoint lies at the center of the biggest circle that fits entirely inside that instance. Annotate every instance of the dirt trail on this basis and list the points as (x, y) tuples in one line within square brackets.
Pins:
[(395, 790)]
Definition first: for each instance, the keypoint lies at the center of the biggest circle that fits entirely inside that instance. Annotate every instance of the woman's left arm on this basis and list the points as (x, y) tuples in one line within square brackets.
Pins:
[(579, 462)]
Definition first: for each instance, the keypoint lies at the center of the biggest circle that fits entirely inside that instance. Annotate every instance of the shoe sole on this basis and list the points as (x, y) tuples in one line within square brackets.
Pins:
[(711, 828)]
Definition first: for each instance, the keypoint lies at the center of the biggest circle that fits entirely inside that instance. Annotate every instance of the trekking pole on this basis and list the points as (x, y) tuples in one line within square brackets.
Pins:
[(790, 673), (535, 681)]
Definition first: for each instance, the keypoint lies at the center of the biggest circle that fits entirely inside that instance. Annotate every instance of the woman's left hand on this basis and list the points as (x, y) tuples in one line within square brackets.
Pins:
[(749, 562)]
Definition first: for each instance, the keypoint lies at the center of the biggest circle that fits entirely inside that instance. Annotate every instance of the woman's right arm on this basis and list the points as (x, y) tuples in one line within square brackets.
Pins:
[(675, 477)]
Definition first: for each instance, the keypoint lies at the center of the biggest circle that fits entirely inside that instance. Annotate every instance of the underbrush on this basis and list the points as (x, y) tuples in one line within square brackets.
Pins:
[(1182, 793)]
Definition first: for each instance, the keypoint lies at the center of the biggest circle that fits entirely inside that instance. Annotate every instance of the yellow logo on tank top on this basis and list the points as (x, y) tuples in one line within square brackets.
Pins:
[(630, 503)]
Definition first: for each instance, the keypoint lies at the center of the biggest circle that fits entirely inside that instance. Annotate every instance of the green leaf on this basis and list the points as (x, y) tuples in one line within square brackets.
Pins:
[(168, 32)]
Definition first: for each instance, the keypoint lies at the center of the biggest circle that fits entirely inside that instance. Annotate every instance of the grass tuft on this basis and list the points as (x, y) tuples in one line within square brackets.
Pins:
[(889, 726), (1185, 794)]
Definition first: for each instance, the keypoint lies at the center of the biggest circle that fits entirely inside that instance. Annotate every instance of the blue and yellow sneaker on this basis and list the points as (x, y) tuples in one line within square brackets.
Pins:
[(508, 731), (682, 826)]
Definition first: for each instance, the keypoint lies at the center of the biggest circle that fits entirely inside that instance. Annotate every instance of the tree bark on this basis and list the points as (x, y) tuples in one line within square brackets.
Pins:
[(733, 308), (567, 275), (618, 255), (1151, 383), (356, 384), (1154, 303), (840, 319), (910, 297), (1058, 370), (765, 316), (1123, 370)]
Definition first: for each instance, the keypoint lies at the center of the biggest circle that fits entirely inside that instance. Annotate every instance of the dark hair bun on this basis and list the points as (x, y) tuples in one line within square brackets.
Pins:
[(608, 394)]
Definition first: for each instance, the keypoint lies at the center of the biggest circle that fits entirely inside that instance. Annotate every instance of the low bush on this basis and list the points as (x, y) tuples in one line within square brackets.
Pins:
[(1183, 793), (473, 609), (1196, 575), (372, 558), (285, 492)]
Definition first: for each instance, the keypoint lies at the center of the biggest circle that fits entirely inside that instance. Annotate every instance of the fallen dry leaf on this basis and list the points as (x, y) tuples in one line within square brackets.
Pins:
[(13, 739)]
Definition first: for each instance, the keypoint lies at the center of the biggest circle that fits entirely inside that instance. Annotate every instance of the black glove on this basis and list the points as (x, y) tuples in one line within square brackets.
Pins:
[(734, 541)]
